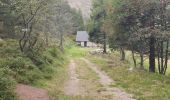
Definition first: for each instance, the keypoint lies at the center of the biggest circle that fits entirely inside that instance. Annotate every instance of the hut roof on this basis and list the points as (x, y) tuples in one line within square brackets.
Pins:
[(82, 36)]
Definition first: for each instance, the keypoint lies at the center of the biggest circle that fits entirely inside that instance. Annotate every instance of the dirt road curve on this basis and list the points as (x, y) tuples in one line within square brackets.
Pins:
[(30, 93), (83, 5)]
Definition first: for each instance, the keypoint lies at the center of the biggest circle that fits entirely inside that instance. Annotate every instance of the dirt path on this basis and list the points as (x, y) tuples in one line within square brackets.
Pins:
[(106, 81), (30, 93), (86, 80), (73, 87)]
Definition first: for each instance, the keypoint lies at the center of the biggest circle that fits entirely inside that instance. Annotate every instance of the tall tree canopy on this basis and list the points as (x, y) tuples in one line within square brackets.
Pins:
[(141, 26)]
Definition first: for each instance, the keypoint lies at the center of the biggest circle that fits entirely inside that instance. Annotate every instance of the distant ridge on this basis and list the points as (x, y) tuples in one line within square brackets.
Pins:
[(83, 5)]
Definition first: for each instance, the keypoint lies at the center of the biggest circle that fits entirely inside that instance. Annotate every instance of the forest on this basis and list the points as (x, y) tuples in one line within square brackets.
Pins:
[(139, 26), (40, 58)]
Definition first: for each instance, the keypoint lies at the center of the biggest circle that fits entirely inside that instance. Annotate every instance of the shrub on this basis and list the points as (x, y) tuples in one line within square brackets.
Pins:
[(53, 52), (7, 86), (18, 67), (9, 48), (48, 58), (22, 69), (30, 76), (47, 71)]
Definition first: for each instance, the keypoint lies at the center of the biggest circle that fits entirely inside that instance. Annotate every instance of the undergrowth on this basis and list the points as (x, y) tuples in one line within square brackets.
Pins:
[(16, 67)]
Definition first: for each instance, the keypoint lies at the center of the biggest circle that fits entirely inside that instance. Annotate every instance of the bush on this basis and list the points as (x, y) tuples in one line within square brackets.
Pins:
[(7, 86), (9, 48), (30, 76), (17, 67), (48, 58), (53, 52), (22, 69), (47, 71)]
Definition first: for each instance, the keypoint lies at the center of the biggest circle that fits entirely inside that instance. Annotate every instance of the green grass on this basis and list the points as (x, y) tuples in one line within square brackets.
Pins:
[(56, 84), (17, 67), (146, 61), (144, 85), (77, 52)]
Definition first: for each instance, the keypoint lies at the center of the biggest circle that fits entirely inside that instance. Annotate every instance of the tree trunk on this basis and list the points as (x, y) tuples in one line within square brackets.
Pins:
[(133, 56), (122, 53), (166, 58), (162, 57), (47, 33), (141, 60), (61, 42), (152, 55), (104, 44), (158, 53)]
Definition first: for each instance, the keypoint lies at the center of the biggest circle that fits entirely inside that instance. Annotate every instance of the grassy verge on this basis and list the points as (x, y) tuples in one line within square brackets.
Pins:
[(144, 85), (17, 67), (137, 57), (56, 84)]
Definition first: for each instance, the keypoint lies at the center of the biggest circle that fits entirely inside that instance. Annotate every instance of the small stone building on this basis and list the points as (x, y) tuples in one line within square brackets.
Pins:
[(82, 38)]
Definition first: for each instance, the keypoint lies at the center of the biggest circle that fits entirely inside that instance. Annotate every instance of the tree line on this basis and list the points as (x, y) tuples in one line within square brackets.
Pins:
[(141, 26), (35, 22)]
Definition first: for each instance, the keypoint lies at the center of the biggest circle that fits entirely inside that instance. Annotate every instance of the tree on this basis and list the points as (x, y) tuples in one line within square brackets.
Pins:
[(35, 21), (144, 31), (96, 28)]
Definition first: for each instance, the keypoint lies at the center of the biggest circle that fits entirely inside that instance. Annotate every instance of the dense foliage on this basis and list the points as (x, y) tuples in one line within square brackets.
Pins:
[(141, 26)]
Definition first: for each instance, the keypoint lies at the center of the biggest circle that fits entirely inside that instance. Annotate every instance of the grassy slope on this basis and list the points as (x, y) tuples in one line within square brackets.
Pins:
[(144, 85), (16, 67), (56, 84), (83, 5)]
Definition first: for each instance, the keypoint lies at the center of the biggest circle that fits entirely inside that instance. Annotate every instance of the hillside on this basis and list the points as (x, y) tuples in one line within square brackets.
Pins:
[(83, 5)]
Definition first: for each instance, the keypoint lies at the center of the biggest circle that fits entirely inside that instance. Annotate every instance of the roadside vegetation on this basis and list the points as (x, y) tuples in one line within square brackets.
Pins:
[(142, 84), (141, 27), (56, 85), (33, 38), (18, 68), (37, 42), (138, 34)]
